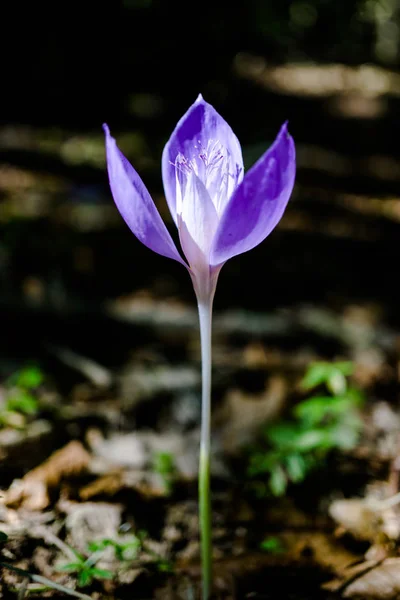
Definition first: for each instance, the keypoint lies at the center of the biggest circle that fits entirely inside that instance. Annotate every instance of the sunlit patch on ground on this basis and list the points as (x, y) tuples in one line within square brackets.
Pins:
[(358, 92)]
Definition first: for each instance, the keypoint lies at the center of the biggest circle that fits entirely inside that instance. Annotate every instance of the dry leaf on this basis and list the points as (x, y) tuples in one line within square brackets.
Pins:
[(32, 490)]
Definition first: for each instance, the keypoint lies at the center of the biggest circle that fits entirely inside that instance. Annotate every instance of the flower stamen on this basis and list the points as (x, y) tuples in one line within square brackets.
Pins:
[(212, 164)]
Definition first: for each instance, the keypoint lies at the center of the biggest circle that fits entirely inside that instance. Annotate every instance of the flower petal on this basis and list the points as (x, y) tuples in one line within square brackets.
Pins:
[(197, 224), (199, 126), (258, 203), (135, 203)]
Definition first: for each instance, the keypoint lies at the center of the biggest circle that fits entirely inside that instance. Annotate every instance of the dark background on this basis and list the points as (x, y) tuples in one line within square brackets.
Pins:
[(138, 65)]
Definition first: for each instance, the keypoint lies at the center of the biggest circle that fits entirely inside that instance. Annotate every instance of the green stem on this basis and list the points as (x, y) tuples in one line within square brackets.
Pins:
[(205, 316)]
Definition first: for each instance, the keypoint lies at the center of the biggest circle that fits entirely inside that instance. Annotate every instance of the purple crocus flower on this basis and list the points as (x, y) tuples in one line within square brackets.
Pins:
[(219, 211)]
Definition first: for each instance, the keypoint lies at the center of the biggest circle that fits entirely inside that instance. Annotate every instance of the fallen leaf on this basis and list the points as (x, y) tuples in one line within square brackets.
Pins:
[(31, 492)]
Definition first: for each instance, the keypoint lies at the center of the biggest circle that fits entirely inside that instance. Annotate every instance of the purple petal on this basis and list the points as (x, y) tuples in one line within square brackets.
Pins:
[(200, 125), (135, 204), (259, 202)]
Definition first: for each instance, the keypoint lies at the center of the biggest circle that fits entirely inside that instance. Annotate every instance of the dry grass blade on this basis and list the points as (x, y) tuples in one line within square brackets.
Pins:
[(46, 582)]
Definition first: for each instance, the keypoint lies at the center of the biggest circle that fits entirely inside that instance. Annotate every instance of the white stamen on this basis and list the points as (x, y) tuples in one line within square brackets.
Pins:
[(213, 165)]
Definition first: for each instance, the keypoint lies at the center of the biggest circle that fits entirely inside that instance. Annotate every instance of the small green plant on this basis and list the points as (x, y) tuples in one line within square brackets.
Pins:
[(44, 584), (84, 567), (163, 565), (272, 545), (128, 550), (325, 422), (164, 465), (21, 400), (29, 378)]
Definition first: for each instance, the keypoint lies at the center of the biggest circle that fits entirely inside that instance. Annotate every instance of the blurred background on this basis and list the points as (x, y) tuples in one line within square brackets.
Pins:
[(72, 274)]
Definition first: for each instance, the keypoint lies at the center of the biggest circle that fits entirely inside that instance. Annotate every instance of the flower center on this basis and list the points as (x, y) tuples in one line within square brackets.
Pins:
[(212, 164)]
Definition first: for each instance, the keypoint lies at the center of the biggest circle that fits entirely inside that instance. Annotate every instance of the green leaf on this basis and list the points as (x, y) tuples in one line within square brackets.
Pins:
[(130, 550), (123, 550), (101, 573), (313, 439), (316, 374), (282, 434), (85, 578), (29, 378), (356, 397), (70, 567), (22, 401), (313, 410), (278, 481), (164, 566), (81, 558), (337, 383), (333, 374), (296, 467), (318, 409), (163, 463), (263, 462), (100, 545), (273, 545)]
